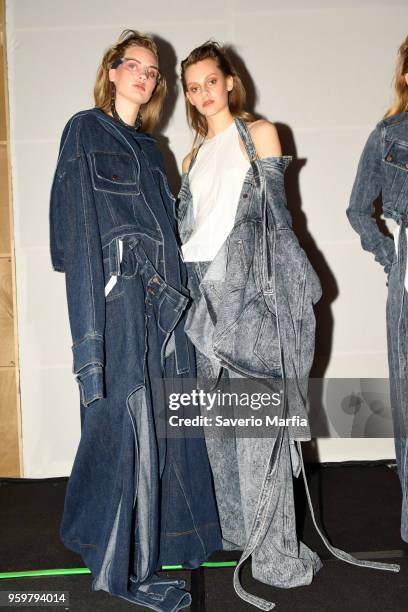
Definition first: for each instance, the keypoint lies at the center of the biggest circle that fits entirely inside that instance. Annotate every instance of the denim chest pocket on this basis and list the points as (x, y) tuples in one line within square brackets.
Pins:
[(397, 155), (396, 175), (116, 173)]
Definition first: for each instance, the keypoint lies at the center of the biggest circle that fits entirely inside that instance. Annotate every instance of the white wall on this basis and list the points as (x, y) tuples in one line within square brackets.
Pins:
[(323, 68)]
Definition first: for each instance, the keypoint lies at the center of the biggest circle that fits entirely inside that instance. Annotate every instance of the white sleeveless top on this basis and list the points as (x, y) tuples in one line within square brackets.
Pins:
[(215, 182)]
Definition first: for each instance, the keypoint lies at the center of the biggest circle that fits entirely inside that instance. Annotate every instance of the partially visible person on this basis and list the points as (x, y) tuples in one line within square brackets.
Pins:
[(383, 171)]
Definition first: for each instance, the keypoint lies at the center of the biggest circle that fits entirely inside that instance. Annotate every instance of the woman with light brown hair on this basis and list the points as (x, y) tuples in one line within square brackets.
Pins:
[(383, 170), (400, 101), (134, 499), (251, 319), (233, 317), (125, 94)]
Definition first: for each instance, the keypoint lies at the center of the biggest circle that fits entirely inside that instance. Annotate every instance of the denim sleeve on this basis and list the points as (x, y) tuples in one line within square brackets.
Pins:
[(366, 188), (76, 249)]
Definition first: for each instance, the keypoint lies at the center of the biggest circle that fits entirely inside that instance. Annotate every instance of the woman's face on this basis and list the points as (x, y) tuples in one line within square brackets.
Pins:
[(135, 78), (207, 87)]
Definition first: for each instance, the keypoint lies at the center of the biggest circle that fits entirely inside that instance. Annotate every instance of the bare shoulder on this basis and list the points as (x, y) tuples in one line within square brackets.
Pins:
[(265, 137)]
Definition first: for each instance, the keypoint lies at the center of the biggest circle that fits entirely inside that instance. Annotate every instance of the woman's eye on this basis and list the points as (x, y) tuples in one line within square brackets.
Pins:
[(193, 90), (212, 82), (132, 66)]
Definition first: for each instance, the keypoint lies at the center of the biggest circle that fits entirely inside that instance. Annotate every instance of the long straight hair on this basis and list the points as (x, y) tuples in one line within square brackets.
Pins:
[(236, 97), (400, 102), (104, 87)]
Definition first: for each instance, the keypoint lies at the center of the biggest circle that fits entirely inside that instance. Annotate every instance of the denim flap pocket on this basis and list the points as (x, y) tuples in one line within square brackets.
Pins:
[(115, 173), (397, 155)]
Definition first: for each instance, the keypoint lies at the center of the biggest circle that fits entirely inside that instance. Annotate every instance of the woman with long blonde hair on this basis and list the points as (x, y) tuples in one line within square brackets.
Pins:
[(383, 170)]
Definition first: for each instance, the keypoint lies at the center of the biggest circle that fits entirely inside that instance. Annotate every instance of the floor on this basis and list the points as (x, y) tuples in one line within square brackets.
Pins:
[(357, 505)]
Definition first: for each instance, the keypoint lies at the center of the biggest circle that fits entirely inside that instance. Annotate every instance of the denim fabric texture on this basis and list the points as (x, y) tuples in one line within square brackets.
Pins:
[(109, 189), (264, 529), (383, 170)]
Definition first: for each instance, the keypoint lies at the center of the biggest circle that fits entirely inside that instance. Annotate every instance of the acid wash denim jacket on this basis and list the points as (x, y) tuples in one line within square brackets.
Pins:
[(256, 314), (98, 169), (383, 169)]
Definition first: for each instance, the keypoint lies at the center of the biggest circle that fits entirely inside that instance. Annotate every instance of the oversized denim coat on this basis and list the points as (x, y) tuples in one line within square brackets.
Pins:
[(134, 498)]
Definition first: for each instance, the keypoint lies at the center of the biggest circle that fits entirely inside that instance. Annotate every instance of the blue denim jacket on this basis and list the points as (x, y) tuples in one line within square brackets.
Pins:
[(105, 189), (256, 314), (383, 169)]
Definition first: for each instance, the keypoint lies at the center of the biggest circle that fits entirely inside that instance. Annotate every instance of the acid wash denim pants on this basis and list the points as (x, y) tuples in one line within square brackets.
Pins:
[(242, 467), (239, 465)]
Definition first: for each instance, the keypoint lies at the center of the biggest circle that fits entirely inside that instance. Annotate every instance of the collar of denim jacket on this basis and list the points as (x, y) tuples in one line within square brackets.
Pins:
[(393, 119)]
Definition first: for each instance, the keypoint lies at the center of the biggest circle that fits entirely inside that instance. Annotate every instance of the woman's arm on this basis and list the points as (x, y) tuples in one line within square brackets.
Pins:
[(366, 188), (265, 138), (76, 250)]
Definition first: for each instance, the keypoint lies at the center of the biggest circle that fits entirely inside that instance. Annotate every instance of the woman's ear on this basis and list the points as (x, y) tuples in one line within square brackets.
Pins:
[(112, 75), (230, 83), (406, 77)]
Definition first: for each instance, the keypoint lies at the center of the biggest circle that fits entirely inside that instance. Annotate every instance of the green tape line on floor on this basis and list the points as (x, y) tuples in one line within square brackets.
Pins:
[(85, 570)]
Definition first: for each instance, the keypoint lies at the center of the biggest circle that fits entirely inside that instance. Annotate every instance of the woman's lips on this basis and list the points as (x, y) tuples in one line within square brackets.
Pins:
[(208, 102), (141, 87)]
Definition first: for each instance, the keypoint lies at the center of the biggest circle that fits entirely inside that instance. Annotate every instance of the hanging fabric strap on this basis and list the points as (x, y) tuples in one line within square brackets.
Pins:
[(340, 554)]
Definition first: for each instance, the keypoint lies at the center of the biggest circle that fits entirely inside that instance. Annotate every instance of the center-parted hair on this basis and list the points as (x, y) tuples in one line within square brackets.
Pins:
[(103, 87), (400, 102), (236, 97)]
